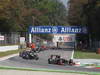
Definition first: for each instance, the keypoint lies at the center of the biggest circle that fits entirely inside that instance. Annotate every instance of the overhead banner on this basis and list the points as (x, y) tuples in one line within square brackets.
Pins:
[(57, 29)]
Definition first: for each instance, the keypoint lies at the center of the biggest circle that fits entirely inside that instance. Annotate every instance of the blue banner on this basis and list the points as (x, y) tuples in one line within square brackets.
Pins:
[(57, 29)]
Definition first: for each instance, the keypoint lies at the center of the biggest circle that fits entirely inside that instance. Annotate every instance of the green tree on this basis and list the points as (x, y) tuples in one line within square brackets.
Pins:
[(20, 14), (85, 13)]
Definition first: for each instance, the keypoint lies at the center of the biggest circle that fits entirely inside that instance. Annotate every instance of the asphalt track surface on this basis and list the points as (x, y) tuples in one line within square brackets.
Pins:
[(43, 62)]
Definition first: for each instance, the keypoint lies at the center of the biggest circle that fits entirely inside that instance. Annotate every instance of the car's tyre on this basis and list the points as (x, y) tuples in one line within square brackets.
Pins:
[(50, 61), (36, 58)]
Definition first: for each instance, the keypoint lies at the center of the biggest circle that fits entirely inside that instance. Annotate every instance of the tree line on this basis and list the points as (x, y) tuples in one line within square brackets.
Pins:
[(85, 13), (18, 15)]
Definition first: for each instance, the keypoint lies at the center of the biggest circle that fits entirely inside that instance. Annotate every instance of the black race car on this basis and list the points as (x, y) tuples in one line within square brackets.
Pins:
[(28, 55), (38, 49), (56, 59)]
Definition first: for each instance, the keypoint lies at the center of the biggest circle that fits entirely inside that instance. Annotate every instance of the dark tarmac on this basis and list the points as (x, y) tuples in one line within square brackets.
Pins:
[(43, 62)]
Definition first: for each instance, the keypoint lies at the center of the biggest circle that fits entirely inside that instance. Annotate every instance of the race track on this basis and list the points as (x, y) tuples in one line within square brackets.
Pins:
[(43, 62)]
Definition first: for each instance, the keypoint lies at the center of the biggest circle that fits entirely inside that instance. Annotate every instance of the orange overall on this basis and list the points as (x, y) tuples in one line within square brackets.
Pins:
[(33, 46)]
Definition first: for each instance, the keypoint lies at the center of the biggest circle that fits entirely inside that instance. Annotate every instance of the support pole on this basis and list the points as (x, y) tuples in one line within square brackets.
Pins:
[(72, 56), (30, 38)]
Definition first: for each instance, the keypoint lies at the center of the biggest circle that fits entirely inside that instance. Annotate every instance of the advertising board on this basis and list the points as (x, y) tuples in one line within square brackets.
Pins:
[(1, 37), (57, 29)]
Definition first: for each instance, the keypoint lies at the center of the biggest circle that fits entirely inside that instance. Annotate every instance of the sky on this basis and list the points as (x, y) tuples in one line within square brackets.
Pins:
[(64, 2)]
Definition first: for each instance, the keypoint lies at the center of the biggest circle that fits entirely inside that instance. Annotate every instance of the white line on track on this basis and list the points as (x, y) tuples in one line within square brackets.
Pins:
[(7, 57), (72, 54)]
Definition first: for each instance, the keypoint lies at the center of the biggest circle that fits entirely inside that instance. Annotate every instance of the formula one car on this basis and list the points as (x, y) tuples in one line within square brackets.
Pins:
[(28, 55), (56, 59), (39, 49)]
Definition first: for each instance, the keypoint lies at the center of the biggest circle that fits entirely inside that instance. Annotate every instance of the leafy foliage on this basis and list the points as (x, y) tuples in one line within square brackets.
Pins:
[(18, 15), (85, 12)]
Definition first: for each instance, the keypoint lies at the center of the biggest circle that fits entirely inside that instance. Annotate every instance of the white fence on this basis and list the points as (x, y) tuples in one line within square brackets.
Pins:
[(8, 48)]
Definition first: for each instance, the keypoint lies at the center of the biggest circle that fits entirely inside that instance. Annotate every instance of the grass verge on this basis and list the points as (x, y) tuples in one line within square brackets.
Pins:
[(48, 70), (2, 54), (86, 55)]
